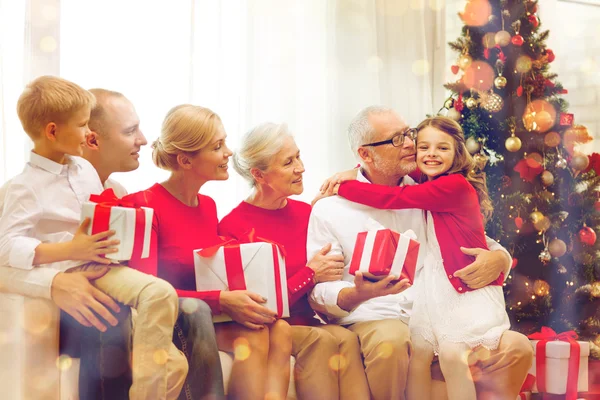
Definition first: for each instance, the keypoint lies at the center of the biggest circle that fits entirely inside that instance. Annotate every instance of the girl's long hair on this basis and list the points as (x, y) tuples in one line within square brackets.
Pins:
[(463, 162)]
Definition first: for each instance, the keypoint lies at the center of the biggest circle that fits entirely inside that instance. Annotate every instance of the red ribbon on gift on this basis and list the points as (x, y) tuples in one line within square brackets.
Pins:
[(235, 269), (107, 200), (546, 335)]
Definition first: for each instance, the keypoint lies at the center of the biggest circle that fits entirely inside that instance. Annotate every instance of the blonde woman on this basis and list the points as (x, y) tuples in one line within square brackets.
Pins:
[(192, 147)]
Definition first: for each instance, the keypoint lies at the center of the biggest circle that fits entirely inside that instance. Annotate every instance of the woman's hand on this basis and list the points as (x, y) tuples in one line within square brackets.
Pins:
[(327, 267), (245, 308)]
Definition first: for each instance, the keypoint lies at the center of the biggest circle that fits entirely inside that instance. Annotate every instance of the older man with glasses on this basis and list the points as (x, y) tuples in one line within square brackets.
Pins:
[(378, 312)]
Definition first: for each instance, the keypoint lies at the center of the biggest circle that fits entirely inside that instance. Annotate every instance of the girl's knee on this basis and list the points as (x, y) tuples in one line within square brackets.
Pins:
[(280, 335)]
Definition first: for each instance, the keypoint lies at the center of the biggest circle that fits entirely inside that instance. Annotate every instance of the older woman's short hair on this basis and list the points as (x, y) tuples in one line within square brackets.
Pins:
[(360, 130), (258, 147)]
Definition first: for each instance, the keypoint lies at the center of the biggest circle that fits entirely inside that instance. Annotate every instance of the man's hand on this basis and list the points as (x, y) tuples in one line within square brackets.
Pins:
[(484, 270), (74, 294), (245, 308), (364, 290), (91, 247), (327, 267)]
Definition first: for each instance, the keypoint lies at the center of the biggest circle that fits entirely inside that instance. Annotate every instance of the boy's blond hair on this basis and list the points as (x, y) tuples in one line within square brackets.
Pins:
[(50, 99)]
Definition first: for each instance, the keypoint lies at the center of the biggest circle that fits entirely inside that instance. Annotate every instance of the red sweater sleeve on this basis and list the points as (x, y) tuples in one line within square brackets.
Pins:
[(150, 265), (448, 193)]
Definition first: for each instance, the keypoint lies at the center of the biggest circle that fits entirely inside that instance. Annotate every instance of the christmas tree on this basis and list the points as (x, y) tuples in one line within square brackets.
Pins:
[(545, 192)]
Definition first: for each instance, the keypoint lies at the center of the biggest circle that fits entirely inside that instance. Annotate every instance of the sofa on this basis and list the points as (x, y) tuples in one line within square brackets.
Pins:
[(29, 361)]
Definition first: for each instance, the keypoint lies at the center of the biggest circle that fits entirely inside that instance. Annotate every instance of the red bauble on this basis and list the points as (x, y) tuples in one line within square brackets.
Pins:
[(533, 20), (517, 40), (455, 69), (519, 222), (587, 236), (550, 54), (514, 263), (520, 91)]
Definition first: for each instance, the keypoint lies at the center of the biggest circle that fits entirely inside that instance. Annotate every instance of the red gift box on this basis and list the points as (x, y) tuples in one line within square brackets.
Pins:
[(383, 252)]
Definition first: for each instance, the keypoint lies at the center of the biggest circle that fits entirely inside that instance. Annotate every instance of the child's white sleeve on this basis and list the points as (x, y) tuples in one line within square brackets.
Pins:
[(21, 213)]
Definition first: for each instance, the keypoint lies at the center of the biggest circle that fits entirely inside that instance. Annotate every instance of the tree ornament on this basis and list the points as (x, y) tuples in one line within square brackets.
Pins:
[(455, 69), (502, 38), (517, 40), (547, 178), (489, 40), (561, 163), (500, 82), (550, 55), (513, 143), (579, 162), (536, 216), (453, 114), (491, 102), (545, 256), (529, 121), (552, 139), (449, 103), (471, 103), (561, 269), (541, 288), (480, 160), (533, 20), (587, 236), (519, 222), (506, 181), (546, 196), (543, 224), (566, 119), (557, 248), (520, 91), (544, 121), (464, 61), (473, 145)]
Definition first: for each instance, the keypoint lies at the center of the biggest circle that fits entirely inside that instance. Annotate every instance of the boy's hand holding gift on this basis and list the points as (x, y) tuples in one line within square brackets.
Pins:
[(92, 247)]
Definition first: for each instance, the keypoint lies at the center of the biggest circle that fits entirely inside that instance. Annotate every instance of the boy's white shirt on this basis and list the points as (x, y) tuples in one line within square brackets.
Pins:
[(37, 282), (337, 221)]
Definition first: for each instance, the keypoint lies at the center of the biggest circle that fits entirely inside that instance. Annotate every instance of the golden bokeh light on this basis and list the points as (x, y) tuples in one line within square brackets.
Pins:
[(241, 349), (160, 356), (48, 44), (385, 350), (189, 306), (477, 12), (64, 362), (420, 67), (479, 76)]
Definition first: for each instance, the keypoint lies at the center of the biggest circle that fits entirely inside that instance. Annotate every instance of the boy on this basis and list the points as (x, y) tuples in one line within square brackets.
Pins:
[(40, 225)]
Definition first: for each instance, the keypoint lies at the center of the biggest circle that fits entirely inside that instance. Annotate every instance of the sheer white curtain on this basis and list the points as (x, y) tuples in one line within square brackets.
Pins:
[(13, 143), (312, 64)]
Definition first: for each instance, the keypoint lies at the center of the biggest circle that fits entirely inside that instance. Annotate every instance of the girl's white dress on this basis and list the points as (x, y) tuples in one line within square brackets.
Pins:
[(440, 313)]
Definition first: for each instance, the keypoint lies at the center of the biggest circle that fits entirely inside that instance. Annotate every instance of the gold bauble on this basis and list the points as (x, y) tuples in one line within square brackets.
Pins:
[(449, 103), (513, 144), (544, 121), (547, 178), (557, 248), (541, 288), (536, 216), (489, 40), (529, 121), (502, 38), (453, 114), (542, 225), (579, 162), (552, 139), (464, 61), (500, 82), (473, 146), (491, 102), (471, 103)]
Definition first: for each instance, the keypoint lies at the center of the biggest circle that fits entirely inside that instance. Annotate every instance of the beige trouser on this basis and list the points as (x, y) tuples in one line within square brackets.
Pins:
[(328, 363), (159, 369), (498, 374), (385, 346)]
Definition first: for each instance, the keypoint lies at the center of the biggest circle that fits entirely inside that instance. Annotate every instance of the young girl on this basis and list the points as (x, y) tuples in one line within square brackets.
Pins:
[(448, 317)]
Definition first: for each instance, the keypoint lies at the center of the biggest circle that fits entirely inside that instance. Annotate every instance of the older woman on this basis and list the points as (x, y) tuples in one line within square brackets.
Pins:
[(328, 359), (192, 146)]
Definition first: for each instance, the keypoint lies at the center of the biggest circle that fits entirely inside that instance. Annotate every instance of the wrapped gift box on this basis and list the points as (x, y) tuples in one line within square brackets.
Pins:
[(383, 252), (133, 226), (257, 267), (557, 366)]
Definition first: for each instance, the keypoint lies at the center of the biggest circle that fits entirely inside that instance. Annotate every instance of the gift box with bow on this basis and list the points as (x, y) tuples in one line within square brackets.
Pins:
[(380, 252), (561, 363), (258, 267), (133, 225)]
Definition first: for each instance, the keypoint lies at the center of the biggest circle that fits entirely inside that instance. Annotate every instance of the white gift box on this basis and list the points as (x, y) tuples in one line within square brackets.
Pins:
[(259, 267), (123, 222), (557, 366)]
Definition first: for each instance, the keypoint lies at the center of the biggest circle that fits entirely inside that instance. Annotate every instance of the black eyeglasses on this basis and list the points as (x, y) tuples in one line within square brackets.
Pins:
[(398, 139)]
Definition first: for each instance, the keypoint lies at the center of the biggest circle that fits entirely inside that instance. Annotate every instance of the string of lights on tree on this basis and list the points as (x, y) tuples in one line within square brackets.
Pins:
[(544, 190)]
